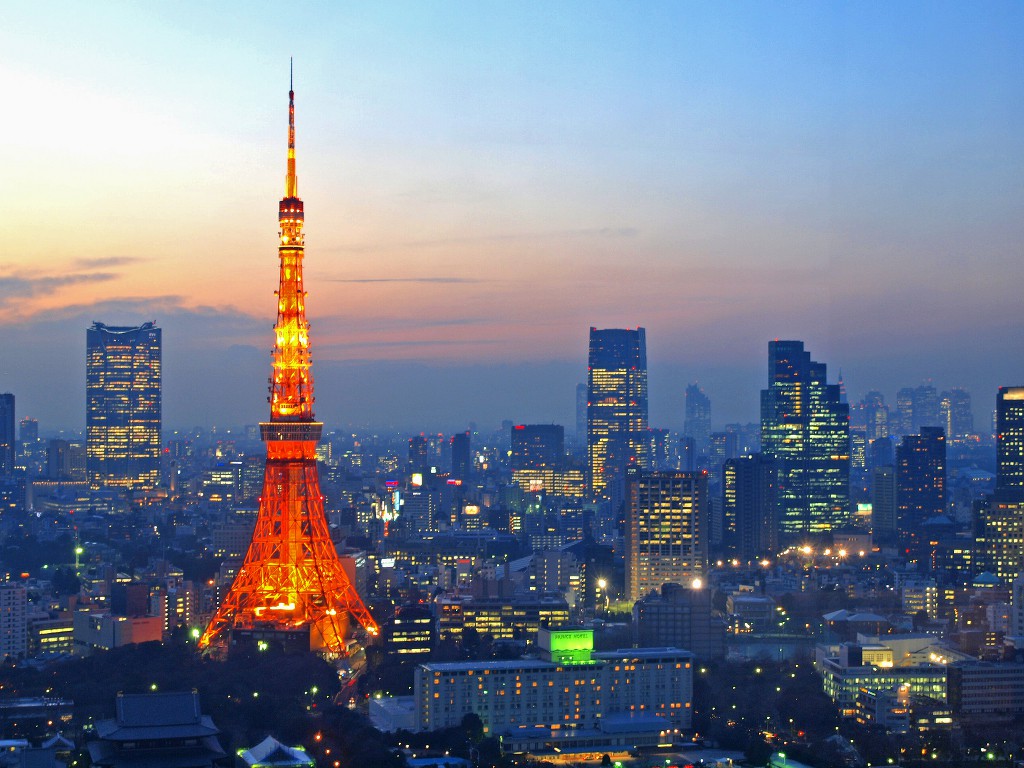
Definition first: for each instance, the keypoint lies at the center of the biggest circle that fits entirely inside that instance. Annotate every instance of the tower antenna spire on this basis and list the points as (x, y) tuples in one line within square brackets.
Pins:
[(291, 182)]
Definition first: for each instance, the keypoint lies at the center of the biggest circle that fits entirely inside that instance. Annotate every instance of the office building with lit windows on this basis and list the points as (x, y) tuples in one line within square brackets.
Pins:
[(805, 429), (1010, 442), (616, 408), (667, 529), (123, 406), (999, 532), (570, 688), (881, 666)]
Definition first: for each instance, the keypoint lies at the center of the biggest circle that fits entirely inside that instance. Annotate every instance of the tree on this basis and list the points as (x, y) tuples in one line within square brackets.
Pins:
[(473, 727)]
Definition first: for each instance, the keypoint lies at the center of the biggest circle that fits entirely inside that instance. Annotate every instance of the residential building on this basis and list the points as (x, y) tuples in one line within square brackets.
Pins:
[(667, 528)]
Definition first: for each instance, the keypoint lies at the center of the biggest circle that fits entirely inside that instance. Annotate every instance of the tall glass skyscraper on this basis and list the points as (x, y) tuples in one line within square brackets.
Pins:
[(805, 428), (999, 543), (616, 408), (697, 421), (123, 406)]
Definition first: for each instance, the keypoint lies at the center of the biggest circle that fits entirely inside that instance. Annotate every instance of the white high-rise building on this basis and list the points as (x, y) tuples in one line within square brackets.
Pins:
[(13, 621)]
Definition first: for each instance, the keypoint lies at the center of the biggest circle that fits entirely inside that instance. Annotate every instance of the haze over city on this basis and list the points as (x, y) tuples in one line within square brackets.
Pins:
[(484, 182)]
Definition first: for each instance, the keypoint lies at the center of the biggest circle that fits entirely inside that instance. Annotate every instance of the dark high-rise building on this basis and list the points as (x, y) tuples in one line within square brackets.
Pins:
[(123, 406), (7, 437), (882, 452), (925, 408), (660, 454), (805, 429), (687, 454), (28, 430), (875, 416), (1010, 442), (956, 414), (581, 416), (722, 446), (905, 411), (58, 459), (697, 421), (917, 407), (462, 456), (750, 506), (920, 485), (616, 408), (538, 446), (883, 505), (667, 528), (419, 455)]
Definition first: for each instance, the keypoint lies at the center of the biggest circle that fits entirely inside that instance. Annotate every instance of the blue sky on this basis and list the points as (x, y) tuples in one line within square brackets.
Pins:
[(485, 181)]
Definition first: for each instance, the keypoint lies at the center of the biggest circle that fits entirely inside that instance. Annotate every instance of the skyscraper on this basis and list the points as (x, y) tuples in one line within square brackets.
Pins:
[(28, 430), (616, 408), (875, 415), (697, 420), (1010, 442), (926, 408), (6, 434), (580, 442), (667, 530), (123, 406), (538, 446), (462, 456), (956, 414), (1000, 524), (920, 486), (805, 429), (883, 505), (750, 506)]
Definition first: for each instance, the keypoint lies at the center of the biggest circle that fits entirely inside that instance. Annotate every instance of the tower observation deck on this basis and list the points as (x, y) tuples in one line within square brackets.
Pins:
[(291, 579)]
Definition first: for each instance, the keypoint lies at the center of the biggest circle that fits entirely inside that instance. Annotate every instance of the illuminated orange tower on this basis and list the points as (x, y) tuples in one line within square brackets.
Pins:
[(291, 577)]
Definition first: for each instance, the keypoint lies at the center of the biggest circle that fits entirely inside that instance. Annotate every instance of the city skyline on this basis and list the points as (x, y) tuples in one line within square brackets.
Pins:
[(490, 181)]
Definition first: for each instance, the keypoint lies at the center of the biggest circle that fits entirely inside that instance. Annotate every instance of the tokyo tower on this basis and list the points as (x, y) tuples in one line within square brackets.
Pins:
[(291, 578)]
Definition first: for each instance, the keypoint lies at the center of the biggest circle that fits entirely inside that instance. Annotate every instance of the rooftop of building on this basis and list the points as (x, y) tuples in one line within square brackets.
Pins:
[(271, 752), (156, 716), (538, 664)]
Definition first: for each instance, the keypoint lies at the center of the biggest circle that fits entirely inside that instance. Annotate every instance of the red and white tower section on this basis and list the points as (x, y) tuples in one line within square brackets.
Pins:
[(292, 578)]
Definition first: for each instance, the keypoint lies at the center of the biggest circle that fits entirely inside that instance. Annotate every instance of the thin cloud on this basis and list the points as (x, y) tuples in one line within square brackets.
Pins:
[(412, 343), (105, 262), (20, 286), (554, 234), (434, 280)]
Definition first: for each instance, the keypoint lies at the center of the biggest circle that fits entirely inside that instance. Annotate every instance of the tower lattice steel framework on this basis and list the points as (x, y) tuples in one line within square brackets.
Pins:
[(291, 577)]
